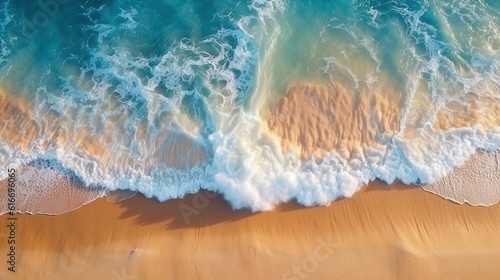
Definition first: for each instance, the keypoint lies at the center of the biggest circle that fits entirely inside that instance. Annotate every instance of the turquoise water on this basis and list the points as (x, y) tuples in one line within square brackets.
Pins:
[(154, 80)]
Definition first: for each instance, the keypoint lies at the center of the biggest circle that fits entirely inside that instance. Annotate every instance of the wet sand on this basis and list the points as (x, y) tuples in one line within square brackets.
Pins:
[(313, 119), (382, 232)]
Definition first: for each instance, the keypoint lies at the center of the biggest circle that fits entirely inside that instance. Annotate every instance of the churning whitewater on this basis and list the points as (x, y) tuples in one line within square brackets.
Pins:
[(262, 101)]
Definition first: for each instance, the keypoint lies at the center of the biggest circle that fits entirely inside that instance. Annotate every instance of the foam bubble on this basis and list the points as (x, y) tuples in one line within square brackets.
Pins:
[(187, 116), (43, 187), (477, 182)]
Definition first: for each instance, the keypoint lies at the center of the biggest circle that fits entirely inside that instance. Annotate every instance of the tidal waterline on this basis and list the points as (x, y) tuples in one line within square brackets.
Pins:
[(261, 101)]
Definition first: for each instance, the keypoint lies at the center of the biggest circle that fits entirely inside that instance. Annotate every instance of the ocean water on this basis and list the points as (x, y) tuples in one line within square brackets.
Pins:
[(170, 97)]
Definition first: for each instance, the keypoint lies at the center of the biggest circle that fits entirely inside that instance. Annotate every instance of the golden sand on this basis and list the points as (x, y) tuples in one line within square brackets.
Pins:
[(384, 232), (317, 118), (170, 147), (15, 122), (314, 118)]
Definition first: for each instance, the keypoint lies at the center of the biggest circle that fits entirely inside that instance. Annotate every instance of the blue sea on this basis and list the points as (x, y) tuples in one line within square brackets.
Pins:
[(262, 101)]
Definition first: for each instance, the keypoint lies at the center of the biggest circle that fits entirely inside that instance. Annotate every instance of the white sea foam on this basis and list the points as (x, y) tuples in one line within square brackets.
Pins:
[(43, 188), (243, 161), (477, 182)]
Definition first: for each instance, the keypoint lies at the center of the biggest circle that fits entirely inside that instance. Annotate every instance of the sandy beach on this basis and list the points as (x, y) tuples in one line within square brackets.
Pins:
[(249, 140), (383, 232)]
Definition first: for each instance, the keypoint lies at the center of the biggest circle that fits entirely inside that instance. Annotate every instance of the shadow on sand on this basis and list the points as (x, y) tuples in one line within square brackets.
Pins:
[(206, 209)]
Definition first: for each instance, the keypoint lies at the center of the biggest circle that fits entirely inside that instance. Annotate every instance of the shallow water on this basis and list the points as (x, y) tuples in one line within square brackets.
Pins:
[(167, 97)]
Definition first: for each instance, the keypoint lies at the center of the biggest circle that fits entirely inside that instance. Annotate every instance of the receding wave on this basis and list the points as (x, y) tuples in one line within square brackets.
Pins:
[(263, 101)]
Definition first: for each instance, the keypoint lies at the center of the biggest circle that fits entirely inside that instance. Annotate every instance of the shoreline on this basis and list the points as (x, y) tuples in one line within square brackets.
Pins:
[(381, 232)]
